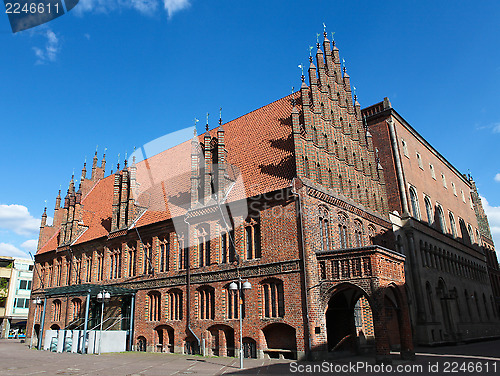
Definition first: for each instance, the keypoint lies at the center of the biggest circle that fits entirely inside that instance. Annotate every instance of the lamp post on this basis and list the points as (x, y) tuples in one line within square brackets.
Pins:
[(240, 286), (36, 302), (102, 296)]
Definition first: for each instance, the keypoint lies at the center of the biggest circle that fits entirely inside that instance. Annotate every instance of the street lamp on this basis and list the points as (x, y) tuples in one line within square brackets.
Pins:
[(102, 296), (36, 302), (233, 286)]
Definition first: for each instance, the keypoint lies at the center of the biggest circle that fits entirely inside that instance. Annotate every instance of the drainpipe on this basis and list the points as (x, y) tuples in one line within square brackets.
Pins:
[(298, 207), (85, 325), (43, 323), (131, 329)]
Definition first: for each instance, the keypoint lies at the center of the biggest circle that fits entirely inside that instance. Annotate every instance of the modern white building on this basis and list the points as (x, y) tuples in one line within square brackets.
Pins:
[(16, 276)]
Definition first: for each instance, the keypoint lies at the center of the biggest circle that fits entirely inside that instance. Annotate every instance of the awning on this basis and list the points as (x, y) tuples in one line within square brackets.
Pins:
[(85, 289)]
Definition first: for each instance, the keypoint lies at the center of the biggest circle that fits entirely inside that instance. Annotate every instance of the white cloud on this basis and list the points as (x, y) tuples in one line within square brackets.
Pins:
[(148, 7), (30, 245), (496, 128), (172, 6), (493, 213), (51, 49), (7, 249), (497, 177), (18, 219)]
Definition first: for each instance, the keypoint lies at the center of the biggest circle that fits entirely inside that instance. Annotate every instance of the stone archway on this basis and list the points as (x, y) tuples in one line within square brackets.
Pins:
[(349, 320), (220, 340), (141, 344), (280, 341), (164, 335)]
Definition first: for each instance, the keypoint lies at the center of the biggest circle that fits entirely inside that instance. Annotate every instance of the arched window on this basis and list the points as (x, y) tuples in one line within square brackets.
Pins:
[(147, 263), (319, 173), (164, 249), (233, 303), (343, 239), (227, 246), (440, 215), (327, 147), (414, 203), (324, 228), (341, 184), (88, 268), (206, 303), (471, 233), (315, 136), (306, 167), (56, 310), (154, 306), (182, 252), (115, 270), (453, 226), (252, 239), (272, 294), (429, 211), (76, 306), (330, 177), (175, 304), (358, 233), (203, 245)]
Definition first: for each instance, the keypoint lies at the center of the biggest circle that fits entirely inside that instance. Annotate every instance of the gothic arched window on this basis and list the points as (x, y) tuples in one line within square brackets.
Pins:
[(414, 203)]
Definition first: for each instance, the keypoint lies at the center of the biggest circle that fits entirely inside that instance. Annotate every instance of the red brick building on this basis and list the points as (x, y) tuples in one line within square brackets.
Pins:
[(316, 241), (441, 227)]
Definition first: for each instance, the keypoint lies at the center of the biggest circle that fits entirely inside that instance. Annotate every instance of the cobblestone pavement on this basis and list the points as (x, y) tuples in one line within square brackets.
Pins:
[(482, 358)]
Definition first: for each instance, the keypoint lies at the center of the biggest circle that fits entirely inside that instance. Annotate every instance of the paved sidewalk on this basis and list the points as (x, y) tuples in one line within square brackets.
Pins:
[(17, 359)]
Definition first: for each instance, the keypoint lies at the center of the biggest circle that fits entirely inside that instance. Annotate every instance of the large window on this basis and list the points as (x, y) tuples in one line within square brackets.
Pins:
[(147, 263), (227, 246), (429, 211), (154, 306), (24, 284), (164, 249), (182, 252), (56, 310), (132, 260), (358, 233), (324, 228), (175, 305), (414, 203), (115, 270), (272, 294), (204, 245), (206, 301), (100, 266), (440, 215), (252, 239), (76, 306), (453, 226), (233, 306), (88, 268), (343, 237)]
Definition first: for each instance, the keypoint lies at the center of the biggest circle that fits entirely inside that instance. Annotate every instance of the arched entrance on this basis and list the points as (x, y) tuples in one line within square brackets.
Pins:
[(280, 341), (164, 336), (349, 320), (392, 314), (55, 327), (249, 347), (220, 340), (141, 344), (36, 334), (191, 346)]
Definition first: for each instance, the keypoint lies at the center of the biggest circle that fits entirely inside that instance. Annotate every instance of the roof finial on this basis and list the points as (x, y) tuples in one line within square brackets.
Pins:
[(118, 164), (194, 131), (343, 65), (317, 40), (301, 70), (355, 96), (96, 147), (310, 54), (220, 117), (324, 30), (206, 127)]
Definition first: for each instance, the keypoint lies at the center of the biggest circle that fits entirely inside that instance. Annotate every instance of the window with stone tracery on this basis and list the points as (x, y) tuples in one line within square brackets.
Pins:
[(252, 239)]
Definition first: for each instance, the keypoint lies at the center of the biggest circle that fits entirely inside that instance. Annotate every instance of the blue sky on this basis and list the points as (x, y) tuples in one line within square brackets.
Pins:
[(120, 73)]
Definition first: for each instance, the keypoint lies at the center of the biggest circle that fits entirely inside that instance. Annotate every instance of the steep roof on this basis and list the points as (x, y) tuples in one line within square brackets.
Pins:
[(259, 144)]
